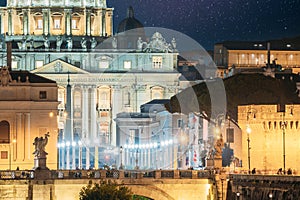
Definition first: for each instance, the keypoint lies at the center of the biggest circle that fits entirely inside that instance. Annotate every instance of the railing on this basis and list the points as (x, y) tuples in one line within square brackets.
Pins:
[(110, 174), (22, 174)]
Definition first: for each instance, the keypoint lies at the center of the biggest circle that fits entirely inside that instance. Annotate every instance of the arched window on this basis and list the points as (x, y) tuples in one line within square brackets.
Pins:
[(4, 132), (157, 92)]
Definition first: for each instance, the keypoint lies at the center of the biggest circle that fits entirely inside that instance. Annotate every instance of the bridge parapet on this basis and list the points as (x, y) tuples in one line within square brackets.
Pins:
[(110, 174)]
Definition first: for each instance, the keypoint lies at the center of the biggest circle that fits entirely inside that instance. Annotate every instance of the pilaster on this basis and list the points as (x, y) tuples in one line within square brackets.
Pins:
[(46, 21), (68, 22), (103, 23), (10, 21), (88, 22)]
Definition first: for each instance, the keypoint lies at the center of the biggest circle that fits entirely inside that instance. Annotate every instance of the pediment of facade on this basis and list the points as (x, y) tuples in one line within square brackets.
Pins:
[(59, 67)]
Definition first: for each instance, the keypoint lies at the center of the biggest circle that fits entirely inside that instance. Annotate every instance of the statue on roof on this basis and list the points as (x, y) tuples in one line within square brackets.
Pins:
[(158, 44), (93, 43), (69, 44), (141, 44), (58, 42), (174, 45), (5, 77), (83, 43), (46, 43), (114, 43)]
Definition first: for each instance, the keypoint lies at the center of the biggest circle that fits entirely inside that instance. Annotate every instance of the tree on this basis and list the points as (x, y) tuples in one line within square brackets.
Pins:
[(106, 190)]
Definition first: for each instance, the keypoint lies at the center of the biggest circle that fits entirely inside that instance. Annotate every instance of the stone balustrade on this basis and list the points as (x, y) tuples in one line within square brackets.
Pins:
[(110, 174)]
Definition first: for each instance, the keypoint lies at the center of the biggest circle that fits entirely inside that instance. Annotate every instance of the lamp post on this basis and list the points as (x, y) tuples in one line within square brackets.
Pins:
[(248, 130), (137, 160), (121, 152), (283, 140), (10, 151)]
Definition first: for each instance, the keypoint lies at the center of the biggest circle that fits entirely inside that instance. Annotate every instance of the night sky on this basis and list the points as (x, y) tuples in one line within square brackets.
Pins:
[(212, 21)]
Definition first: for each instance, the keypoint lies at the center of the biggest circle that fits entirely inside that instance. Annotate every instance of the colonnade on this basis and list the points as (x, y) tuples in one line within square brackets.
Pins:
[(10, 24)]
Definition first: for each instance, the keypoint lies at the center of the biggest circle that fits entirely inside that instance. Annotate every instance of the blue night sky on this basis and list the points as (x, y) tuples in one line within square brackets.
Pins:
[(212, 21)]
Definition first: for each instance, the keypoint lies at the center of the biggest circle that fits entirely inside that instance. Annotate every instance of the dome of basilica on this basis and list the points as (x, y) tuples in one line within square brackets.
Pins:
[(130, 22), (57, 3)]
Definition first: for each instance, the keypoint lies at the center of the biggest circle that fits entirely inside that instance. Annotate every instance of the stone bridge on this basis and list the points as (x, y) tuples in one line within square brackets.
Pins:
[(66, 184), (263, 187)]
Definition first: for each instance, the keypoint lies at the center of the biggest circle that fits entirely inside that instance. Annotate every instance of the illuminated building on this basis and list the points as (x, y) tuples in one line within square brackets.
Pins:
[(251, 56), (28, 110), (72, 42)]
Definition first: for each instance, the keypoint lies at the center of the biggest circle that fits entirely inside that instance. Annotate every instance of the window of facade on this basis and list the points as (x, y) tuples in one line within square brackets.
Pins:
[(14, 64), (39, 63), (74, 24), (104, 132), (180, 123), (104, 100), (43, 95), (157, 62), (39, 24), (77, 100), (157, 92), (4, 155), (4, 132), (103, 64), (127, 64), (127, 98), (56, 23)]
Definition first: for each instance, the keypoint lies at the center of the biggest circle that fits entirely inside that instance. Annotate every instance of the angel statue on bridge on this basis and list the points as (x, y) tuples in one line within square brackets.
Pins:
[(40, 144)]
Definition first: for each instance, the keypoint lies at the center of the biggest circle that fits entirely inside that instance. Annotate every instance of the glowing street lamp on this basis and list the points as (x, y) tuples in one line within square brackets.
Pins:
[(121, 152)]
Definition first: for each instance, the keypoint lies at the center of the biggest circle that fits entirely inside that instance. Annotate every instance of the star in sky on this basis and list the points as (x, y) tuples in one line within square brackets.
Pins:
[(212, 21)]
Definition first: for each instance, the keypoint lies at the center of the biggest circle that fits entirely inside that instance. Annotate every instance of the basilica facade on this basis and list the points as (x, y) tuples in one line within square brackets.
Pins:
[(99, 74)]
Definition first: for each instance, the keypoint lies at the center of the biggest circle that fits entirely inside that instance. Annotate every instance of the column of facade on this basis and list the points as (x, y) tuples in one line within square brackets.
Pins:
[(46, 21), (111, 23), (25, 21), (93, 115), (116, 105), (10, 22), (1, 22), (32, 62), (85, 124), (68, 155), (68, 22), (103, 23), (88, 22), (73, 155)]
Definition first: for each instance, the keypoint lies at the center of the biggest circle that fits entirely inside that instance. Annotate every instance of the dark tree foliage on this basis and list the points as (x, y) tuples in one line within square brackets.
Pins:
[(105, 190)]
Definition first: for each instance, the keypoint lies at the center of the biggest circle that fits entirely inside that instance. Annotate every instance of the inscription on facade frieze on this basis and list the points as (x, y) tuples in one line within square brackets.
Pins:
[(89, 80)]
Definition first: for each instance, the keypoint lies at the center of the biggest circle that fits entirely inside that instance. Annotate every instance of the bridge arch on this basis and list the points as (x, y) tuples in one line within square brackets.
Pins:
[(149, 191)]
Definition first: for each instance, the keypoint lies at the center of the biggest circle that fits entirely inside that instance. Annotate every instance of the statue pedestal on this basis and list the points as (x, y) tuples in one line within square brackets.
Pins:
[(209, 164), (218, 162), (40, 162)]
